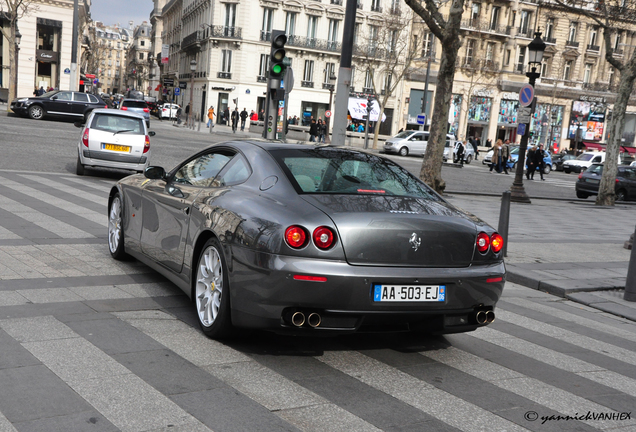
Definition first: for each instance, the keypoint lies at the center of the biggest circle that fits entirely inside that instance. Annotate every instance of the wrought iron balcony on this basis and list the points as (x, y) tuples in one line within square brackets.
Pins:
[(224, 75), (219, 31), (266, 36), (526, 33), (192, 39), (369, 51), (336, 2), (261, 79), (313, 43), (327, 86), (368, 90), (591, 47), (549, 40), (572, 44), (308, 84)]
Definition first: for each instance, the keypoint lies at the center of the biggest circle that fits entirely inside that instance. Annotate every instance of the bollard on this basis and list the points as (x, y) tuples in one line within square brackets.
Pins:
[(504, 220), (630, 282), (198, 122)]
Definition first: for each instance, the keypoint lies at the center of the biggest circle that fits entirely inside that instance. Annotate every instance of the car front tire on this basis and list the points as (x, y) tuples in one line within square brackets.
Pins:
[(621, 195), (116, 229), (211, 292), (36, 112), (469, 159), (79, 168), (582, 195), (567, 170), (404, 151), (547, 169)]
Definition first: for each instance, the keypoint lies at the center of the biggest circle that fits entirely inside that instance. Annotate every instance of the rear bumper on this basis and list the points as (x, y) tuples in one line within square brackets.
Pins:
[(114, 160), (345, 301)]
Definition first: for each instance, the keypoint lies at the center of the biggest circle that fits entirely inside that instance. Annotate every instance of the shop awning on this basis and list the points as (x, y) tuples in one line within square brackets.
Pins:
[(630, 150), (594, 146)]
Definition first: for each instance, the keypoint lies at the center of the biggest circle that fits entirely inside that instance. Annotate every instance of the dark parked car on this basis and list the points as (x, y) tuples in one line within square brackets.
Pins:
[(69, 104), (558, 160), (589, 181), (308, 240)]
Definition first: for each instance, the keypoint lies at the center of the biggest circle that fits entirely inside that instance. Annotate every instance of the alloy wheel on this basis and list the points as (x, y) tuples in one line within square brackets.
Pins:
[(114, 225), (209, 286)]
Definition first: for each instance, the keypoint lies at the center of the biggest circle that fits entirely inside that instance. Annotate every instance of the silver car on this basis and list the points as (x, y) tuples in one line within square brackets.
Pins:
[(410, 142), (138, 107), (113, 139)]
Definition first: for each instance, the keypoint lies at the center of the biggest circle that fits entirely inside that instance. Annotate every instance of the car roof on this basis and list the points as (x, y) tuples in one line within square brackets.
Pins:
[(118, 113)]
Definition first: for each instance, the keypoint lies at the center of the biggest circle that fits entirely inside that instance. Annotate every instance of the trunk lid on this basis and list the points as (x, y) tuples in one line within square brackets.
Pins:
[(399, 231)]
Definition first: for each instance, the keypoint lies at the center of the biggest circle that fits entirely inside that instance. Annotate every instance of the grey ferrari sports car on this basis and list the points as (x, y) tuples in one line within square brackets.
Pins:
[(311, 240)]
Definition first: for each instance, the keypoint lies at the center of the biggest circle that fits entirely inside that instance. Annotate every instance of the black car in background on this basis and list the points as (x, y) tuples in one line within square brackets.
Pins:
[(69, 104), (590, 179), (559, 158)]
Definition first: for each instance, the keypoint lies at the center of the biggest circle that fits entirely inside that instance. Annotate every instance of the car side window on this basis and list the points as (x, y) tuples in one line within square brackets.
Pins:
[(597, 159), (64, 96), (80, 97), (235, 172), (201, 170), (93, 99)]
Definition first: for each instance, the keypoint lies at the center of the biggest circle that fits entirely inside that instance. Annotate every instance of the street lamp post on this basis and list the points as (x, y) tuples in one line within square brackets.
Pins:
[(193, 67), (535, 49), (18, 39)]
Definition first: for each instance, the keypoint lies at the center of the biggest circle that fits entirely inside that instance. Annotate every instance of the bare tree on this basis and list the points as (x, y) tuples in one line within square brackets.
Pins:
[(11, 11), (386, 55), (613, 17), (446, 29)]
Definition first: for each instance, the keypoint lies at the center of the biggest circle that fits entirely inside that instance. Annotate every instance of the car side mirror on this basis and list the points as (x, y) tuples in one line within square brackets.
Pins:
[(151, 133), (155, 173), (53, 97), (78, 124)]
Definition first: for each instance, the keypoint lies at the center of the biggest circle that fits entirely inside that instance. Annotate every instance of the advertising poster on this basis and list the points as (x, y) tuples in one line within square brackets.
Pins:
[(589, 118)]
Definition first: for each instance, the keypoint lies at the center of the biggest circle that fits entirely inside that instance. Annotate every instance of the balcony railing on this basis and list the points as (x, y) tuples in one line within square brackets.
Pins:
[(261, 79), (484, 26), (313, 43), (618, 52), (526, 33), (266, 36), (591, 47), (369, 51), (477, 64), (336, 2), (550, 40), (224, 75), (219, 31), (307, 84), (192, 39), (572, 44), (327, 86), (368, 90)]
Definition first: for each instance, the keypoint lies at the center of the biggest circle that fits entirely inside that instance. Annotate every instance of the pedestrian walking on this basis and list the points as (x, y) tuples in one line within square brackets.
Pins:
[(243, 118), (179, 115), (313, 131), (253, 116), (187, 113), (261, 115), (321, 131), (211, 117), (539, 164), (235, 119), (495, 161), (505, 156), (461, 148), (530, 162)]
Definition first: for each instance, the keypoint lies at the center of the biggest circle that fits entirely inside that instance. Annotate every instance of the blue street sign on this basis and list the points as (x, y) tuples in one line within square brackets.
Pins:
[(521, 129), (526, 95), (177, 91), (421, 119)]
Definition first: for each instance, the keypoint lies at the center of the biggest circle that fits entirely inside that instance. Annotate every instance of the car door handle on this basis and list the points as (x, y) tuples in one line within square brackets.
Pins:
[(186, 210)]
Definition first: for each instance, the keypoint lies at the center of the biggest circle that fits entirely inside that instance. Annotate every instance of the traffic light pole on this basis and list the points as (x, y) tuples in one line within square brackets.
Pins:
[(275, 93)]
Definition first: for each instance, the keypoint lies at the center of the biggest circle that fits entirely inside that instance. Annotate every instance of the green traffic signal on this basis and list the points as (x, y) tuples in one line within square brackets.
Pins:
[(277, 69)]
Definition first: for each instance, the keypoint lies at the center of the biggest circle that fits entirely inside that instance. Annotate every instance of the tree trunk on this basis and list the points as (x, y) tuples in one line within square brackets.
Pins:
[(431, 172), (13, 61), (376, 130), (606, 190)]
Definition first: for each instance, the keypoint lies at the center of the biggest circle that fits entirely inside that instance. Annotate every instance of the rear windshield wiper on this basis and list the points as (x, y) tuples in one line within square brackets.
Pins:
[(125, 130)]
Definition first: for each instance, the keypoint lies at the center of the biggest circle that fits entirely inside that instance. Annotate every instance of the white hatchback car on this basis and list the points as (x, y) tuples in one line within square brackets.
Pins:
[(169, 111), (114, 139)]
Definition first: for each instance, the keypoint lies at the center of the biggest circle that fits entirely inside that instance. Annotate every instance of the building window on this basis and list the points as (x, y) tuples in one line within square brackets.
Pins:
[(333, 30), (617, 42), (330, 70), (490, 51), (312, 25), (230, 14), (290, 23), (368, 81), (474, 13), (524, 24), (268, 17), (508, 55), (572, 31), (262, 69), (387, 83), (226, 61), (308, 75), (118, 44), (393, 35), (544, 69), (117, 63), (141, 43), (427, 44), (593, 34), (141, 56), (549, 29), (567, 70), (375, 6), (521, 59), (587, 74), (470, 50), (610, 74), (356, 32), (494, 17)]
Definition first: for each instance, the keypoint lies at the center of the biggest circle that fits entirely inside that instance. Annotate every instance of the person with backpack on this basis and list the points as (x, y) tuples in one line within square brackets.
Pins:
[(243, 118), (211, 116)]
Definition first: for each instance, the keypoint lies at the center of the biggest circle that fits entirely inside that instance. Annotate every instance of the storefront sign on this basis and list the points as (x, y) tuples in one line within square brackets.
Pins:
[(586, 98), (482, 92), (168, 82), (510, 96), (47, 56), (165, 50)]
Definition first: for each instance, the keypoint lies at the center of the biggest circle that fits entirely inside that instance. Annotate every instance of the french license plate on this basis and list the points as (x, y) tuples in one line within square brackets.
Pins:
[(593, 181), (115, 147), (409, 293)]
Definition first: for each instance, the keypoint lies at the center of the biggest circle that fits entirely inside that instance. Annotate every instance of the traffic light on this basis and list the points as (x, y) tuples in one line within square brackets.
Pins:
[(277, 54)]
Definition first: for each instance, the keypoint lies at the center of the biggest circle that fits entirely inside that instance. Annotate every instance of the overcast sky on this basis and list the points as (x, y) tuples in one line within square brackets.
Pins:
[(111, 12)]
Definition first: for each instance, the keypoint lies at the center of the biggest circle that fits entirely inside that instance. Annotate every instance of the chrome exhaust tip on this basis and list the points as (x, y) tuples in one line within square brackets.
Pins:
[(490, 316), (298, 319), (480, 317), (314, 319)]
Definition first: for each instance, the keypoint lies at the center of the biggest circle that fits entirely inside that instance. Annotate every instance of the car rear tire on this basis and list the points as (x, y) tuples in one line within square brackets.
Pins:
[(582, 195), (567, 170), (621, 195), (469, 159), (577, 170), (404, 151), (79, 168), (211, 292), (116, 229), (36, 112), (547, 169)]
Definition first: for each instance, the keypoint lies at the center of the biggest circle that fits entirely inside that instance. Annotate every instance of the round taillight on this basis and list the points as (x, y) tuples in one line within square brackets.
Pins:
[(295, 236), (483, 242), (496, 242), (85, 137), (324, 237)]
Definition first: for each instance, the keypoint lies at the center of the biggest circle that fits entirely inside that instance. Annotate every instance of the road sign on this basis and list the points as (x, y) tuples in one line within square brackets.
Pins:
[(288, 83), (421, 118), (526, 95), (327, 114), (524, 112), (91, 76), (521, 129), (168, 82), (177, 91), (95, 81), (183, 84), (523, 119)]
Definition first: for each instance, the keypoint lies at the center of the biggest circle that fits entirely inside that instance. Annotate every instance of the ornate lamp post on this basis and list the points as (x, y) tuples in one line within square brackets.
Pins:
[(193, 67), (535, 49)]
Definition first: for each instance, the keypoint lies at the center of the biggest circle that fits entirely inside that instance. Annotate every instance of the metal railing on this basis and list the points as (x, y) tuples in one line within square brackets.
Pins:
[(261, 79), (477, 64), (376, 8), (484, 26), (327, 86), (591, 47), (266, 36), (192, 39), (220, 31), (307, 84), (313, 43), (224, 75), (572, 44), (550, 40)]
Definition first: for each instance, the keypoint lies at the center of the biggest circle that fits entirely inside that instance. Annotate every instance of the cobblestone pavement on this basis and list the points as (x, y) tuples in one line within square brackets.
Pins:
[(88, 343)]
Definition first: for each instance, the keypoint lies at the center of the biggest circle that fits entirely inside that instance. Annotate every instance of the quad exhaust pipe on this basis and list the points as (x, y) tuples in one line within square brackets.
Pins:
[(298, 319), (484, 317)]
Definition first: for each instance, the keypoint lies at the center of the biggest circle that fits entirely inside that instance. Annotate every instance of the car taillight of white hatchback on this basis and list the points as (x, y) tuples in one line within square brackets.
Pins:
[(147, 144)]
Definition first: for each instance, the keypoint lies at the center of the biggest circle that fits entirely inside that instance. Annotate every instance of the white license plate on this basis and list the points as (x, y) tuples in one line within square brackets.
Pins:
[(409, 293)]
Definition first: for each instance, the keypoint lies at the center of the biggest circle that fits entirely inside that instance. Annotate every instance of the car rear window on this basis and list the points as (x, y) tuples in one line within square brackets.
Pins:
[(135, 104), (116, 123), (338, 171)]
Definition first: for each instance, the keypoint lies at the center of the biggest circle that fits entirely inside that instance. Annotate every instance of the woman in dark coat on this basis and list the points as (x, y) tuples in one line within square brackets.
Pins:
[(313, 131)]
